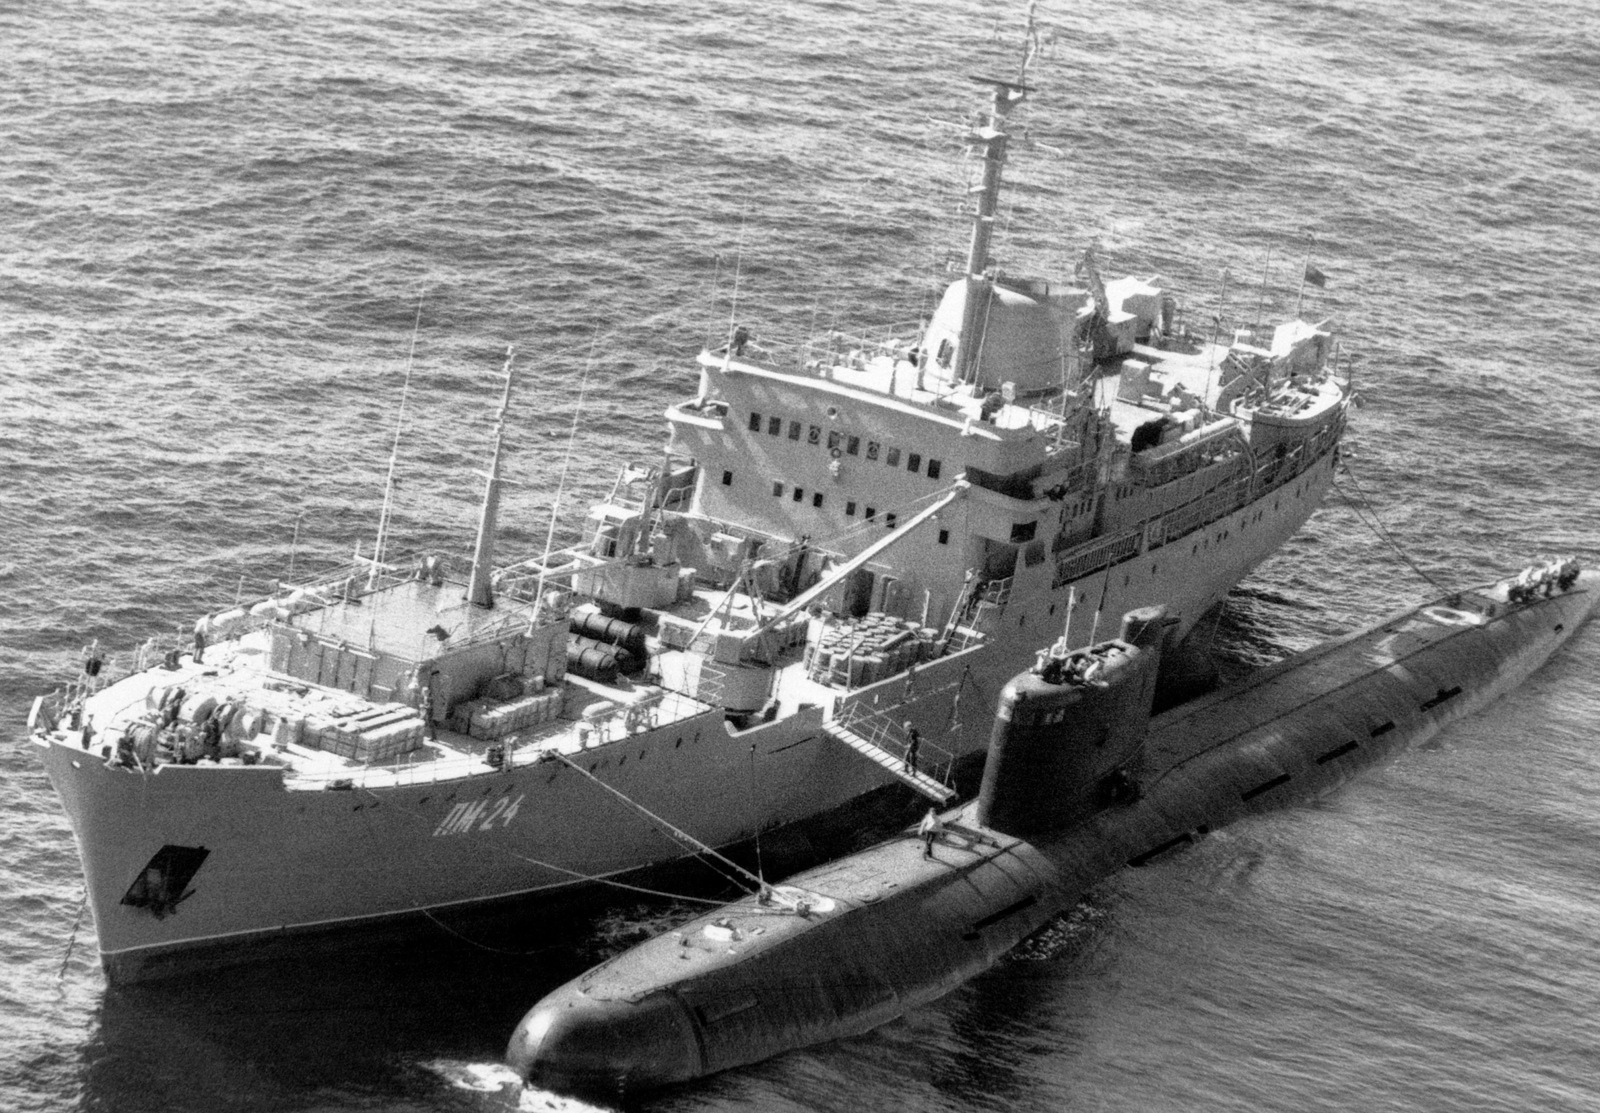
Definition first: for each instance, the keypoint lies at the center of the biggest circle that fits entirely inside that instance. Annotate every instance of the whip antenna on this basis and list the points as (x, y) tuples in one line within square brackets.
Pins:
[(394, 453)]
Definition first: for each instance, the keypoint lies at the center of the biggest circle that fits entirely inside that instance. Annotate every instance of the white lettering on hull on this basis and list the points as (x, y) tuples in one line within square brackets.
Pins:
[(466, 816)]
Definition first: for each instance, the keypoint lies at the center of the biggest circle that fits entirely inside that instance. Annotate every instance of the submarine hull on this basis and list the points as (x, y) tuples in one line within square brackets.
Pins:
[(851, 945)]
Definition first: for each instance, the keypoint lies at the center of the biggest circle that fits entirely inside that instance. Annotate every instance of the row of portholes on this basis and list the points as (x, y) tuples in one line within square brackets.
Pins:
[(1220, 538), (623, 760), (844, 444)]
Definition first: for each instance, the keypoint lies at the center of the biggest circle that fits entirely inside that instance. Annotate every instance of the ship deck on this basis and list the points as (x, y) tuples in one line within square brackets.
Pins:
[(592, 714), (1183, 375), (400, 619)]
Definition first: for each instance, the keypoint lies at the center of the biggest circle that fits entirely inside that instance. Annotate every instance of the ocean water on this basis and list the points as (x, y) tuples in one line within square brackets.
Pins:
[(223, 227)]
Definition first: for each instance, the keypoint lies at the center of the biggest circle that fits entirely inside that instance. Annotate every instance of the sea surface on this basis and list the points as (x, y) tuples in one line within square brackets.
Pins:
[(226, 230)]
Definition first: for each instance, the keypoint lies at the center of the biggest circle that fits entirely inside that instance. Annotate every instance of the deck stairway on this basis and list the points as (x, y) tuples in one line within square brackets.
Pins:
[(893, 763)]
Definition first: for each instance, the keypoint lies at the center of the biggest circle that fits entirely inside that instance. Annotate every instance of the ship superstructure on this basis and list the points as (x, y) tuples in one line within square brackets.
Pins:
[(843, 547)]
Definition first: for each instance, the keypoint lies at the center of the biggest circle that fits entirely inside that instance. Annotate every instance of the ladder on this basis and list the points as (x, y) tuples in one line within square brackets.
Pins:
[(920, 782)]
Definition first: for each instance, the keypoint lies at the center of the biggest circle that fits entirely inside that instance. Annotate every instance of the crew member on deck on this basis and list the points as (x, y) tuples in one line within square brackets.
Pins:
[(201, 629), (930, 828), (425, 705), (913, 744)]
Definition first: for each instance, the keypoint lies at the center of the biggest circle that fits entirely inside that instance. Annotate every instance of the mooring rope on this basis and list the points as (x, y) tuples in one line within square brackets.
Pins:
[(72, 938), (1377, 526), (683, 836)]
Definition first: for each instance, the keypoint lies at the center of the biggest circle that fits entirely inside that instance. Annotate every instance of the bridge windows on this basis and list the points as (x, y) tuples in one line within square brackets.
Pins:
[(934, 467), (816, 500), (727, 479), (892, 458), (777, 490), (850, 510), (755, 422), (852, 446), (794, 430), (914, 461), (872, 450), (799, 494), (889, 520), (944, 537), (774, 426), (870, 514)]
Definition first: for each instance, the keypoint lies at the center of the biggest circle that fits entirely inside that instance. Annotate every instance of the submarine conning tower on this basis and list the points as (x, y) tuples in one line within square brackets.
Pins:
[(1069, 733)]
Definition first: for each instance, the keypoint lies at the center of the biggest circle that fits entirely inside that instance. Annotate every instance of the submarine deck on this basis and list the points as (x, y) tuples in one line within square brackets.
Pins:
[(1218, 718)]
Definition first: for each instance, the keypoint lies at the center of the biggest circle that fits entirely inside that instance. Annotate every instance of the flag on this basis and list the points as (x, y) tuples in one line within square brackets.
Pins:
[(1315, 277)]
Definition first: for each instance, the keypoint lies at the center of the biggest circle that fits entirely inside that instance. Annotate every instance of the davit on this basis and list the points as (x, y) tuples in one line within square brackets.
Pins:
[(1080, 781)]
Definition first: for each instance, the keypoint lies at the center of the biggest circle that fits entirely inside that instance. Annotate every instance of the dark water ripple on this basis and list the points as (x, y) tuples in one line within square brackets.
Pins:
[(217, 222)]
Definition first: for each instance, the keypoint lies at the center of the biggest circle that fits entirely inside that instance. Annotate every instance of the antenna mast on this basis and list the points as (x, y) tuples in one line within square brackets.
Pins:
[(478, 591), (988, 141), (394, 455)]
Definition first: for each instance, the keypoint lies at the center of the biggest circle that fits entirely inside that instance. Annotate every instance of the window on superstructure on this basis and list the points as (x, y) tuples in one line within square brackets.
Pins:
[(774, 426), (1023, 531), (794, 430), (816, 500), (853, 446), (835, 438), (755, 422), (914, 461), (814, 434), (777, 490), (888, 520), (727, 479), (872, 450), (934, 468), (893, 458), (799, 494), (944, 537), (870, 514), (849, 510)]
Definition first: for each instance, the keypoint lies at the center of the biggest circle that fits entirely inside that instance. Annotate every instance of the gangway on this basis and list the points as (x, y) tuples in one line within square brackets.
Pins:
[(919, 781)]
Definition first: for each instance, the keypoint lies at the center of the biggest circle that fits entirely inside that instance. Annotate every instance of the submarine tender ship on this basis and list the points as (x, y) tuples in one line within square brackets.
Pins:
[(1080, 781), (843, 536)]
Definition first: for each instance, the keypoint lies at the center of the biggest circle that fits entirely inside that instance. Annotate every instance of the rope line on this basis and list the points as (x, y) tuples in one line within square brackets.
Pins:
[(1377, 526), (577, 876), (72, 938), (684, 836)]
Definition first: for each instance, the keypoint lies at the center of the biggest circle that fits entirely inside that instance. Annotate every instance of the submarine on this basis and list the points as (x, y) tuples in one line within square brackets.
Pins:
[(1081, 780)]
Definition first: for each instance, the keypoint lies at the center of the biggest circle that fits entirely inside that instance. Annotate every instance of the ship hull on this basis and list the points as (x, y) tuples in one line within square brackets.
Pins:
[(286, 860)]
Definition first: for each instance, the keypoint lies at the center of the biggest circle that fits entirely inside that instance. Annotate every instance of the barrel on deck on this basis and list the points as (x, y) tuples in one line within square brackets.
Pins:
[(594, 660), (611, 631)]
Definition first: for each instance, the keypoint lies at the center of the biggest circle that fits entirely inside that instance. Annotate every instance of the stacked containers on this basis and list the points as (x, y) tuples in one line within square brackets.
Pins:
[(370, 734), (863, 651), (487, 719)]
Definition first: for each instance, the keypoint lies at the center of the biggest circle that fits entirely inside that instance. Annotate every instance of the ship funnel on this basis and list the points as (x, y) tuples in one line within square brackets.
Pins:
[(1069, 733), (479, 592)]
